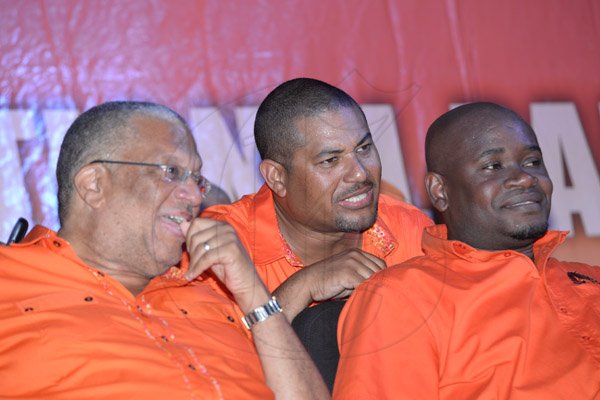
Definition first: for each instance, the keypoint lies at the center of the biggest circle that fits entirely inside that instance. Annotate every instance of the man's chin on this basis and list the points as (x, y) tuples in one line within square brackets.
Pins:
[(350, 225), (171, 257), (530, 232)]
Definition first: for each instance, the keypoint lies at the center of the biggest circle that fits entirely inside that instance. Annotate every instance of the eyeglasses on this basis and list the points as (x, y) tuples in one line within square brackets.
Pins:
[(171, 173)]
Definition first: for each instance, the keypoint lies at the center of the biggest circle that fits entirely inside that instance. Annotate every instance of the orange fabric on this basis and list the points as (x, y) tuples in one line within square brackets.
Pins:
[(395, 236), (460, 323), (68, 331)]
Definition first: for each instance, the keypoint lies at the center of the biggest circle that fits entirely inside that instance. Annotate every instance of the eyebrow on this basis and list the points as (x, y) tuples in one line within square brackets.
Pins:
[(534, 147), (326, 152), (496, 150), (500, 150)]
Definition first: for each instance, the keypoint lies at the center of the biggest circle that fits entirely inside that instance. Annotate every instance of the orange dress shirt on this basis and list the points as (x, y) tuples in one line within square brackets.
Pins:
[(395, 236), (68, 331), (461, 323)]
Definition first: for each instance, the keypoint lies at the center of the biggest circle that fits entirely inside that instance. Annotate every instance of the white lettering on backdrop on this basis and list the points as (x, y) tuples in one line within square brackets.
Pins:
[(232, 162), (566, 153)]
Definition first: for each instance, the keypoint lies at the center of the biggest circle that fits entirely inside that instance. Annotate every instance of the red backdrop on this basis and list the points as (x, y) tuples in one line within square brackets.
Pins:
[(419, 56)]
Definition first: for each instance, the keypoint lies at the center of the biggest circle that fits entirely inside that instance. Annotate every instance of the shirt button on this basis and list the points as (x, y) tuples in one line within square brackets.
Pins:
[(164, 338), (230, 318), (89, 298), (191, 366), (29, 309), (563, 310), (507, 254), (56, 243), (183, 311)]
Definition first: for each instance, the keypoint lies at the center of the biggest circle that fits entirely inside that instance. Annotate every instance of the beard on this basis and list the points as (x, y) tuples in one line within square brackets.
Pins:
[(530, 232), (349, 224)]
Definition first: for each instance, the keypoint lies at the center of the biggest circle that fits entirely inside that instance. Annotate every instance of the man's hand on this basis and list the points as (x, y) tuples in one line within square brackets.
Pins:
[(332, 278), (215, 245), (337, 276), (289, 370)]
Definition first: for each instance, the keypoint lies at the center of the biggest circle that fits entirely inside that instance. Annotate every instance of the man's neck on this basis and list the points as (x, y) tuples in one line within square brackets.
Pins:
[(87, 250), (312, 246), (524, 246)]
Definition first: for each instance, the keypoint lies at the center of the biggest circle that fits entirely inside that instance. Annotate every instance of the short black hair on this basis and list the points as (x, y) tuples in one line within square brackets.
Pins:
[(274, 130), (470, 117), (97, 133)]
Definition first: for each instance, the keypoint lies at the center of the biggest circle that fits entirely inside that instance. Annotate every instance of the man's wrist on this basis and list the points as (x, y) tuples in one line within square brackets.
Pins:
[(293, 295), (261, 313)]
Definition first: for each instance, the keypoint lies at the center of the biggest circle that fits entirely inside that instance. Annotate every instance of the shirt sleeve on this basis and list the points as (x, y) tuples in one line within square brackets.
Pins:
[(387, 349)]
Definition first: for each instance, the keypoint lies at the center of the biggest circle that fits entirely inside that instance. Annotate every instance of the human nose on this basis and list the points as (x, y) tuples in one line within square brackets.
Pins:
[(356, 170), (519, 177), (189, 191)]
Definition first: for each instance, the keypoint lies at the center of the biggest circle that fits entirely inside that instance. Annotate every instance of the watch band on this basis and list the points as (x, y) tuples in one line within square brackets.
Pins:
[(261, 313)]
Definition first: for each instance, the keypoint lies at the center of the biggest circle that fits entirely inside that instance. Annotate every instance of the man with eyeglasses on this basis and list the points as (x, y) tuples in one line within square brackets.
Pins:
[(98, 309)]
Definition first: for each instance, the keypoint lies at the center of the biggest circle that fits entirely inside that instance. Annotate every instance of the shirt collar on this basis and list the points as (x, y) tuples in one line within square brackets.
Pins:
[(435, 240), (45, 237), (379, 240), (271, 246)]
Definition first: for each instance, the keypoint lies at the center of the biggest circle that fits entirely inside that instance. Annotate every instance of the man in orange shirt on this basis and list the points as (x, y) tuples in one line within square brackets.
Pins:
[(319, 226), (98, 311), (486, 313)]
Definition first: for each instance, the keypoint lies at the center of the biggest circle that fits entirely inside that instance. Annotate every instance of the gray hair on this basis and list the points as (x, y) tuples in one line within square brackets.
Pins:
[(97, 132)]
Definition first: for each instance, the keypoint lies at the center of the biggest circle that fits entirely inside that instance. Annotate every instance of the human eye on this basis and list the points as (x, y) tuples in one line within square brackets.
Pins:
[(328, 161), (172, 173), (492, 166), (533, 162), (365, 147)]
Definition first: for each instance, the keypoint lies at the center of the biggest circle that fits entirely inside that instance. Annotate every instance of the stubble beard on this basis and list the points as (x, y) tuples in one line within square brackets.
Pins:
[(530, 232), (355, 225)]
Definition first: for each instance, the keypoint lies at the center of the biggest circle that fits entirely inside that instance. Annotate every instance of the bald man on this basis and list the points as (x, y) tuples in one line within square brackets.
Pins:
[(486, 313)]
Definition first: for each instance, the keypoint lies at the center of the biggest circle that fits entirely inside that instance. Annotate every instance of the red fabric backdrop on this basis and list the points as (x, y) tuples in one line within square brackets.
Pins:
[(419, 56)]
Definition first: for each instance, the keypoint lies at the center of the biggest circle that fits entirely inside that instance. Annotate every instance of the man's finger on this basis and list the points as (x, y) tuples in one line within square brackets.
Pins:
[(378, 262)]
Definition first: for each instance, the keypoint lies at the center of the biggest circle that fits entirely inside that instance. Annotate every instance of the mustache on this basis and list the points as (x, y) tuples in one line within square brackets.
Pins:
[(355, 188), (533, 194)]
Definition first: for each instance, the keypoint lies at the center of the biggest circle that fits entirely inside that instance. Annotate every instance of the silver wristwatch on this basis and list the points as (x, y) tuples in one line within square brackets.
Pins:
[(261, 313)]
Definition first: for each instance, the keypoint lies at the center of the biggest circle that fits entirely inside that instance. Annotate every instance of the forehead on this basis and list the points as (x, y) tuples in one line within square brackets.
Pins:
[(345, 125), (162, 140), (501, 135)]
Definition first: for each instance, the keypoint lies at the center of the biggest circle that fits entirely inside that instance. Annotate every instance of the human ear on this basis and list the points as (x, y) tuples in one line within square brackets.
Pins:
[(91, 183), (436, 189), (275, 176)]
